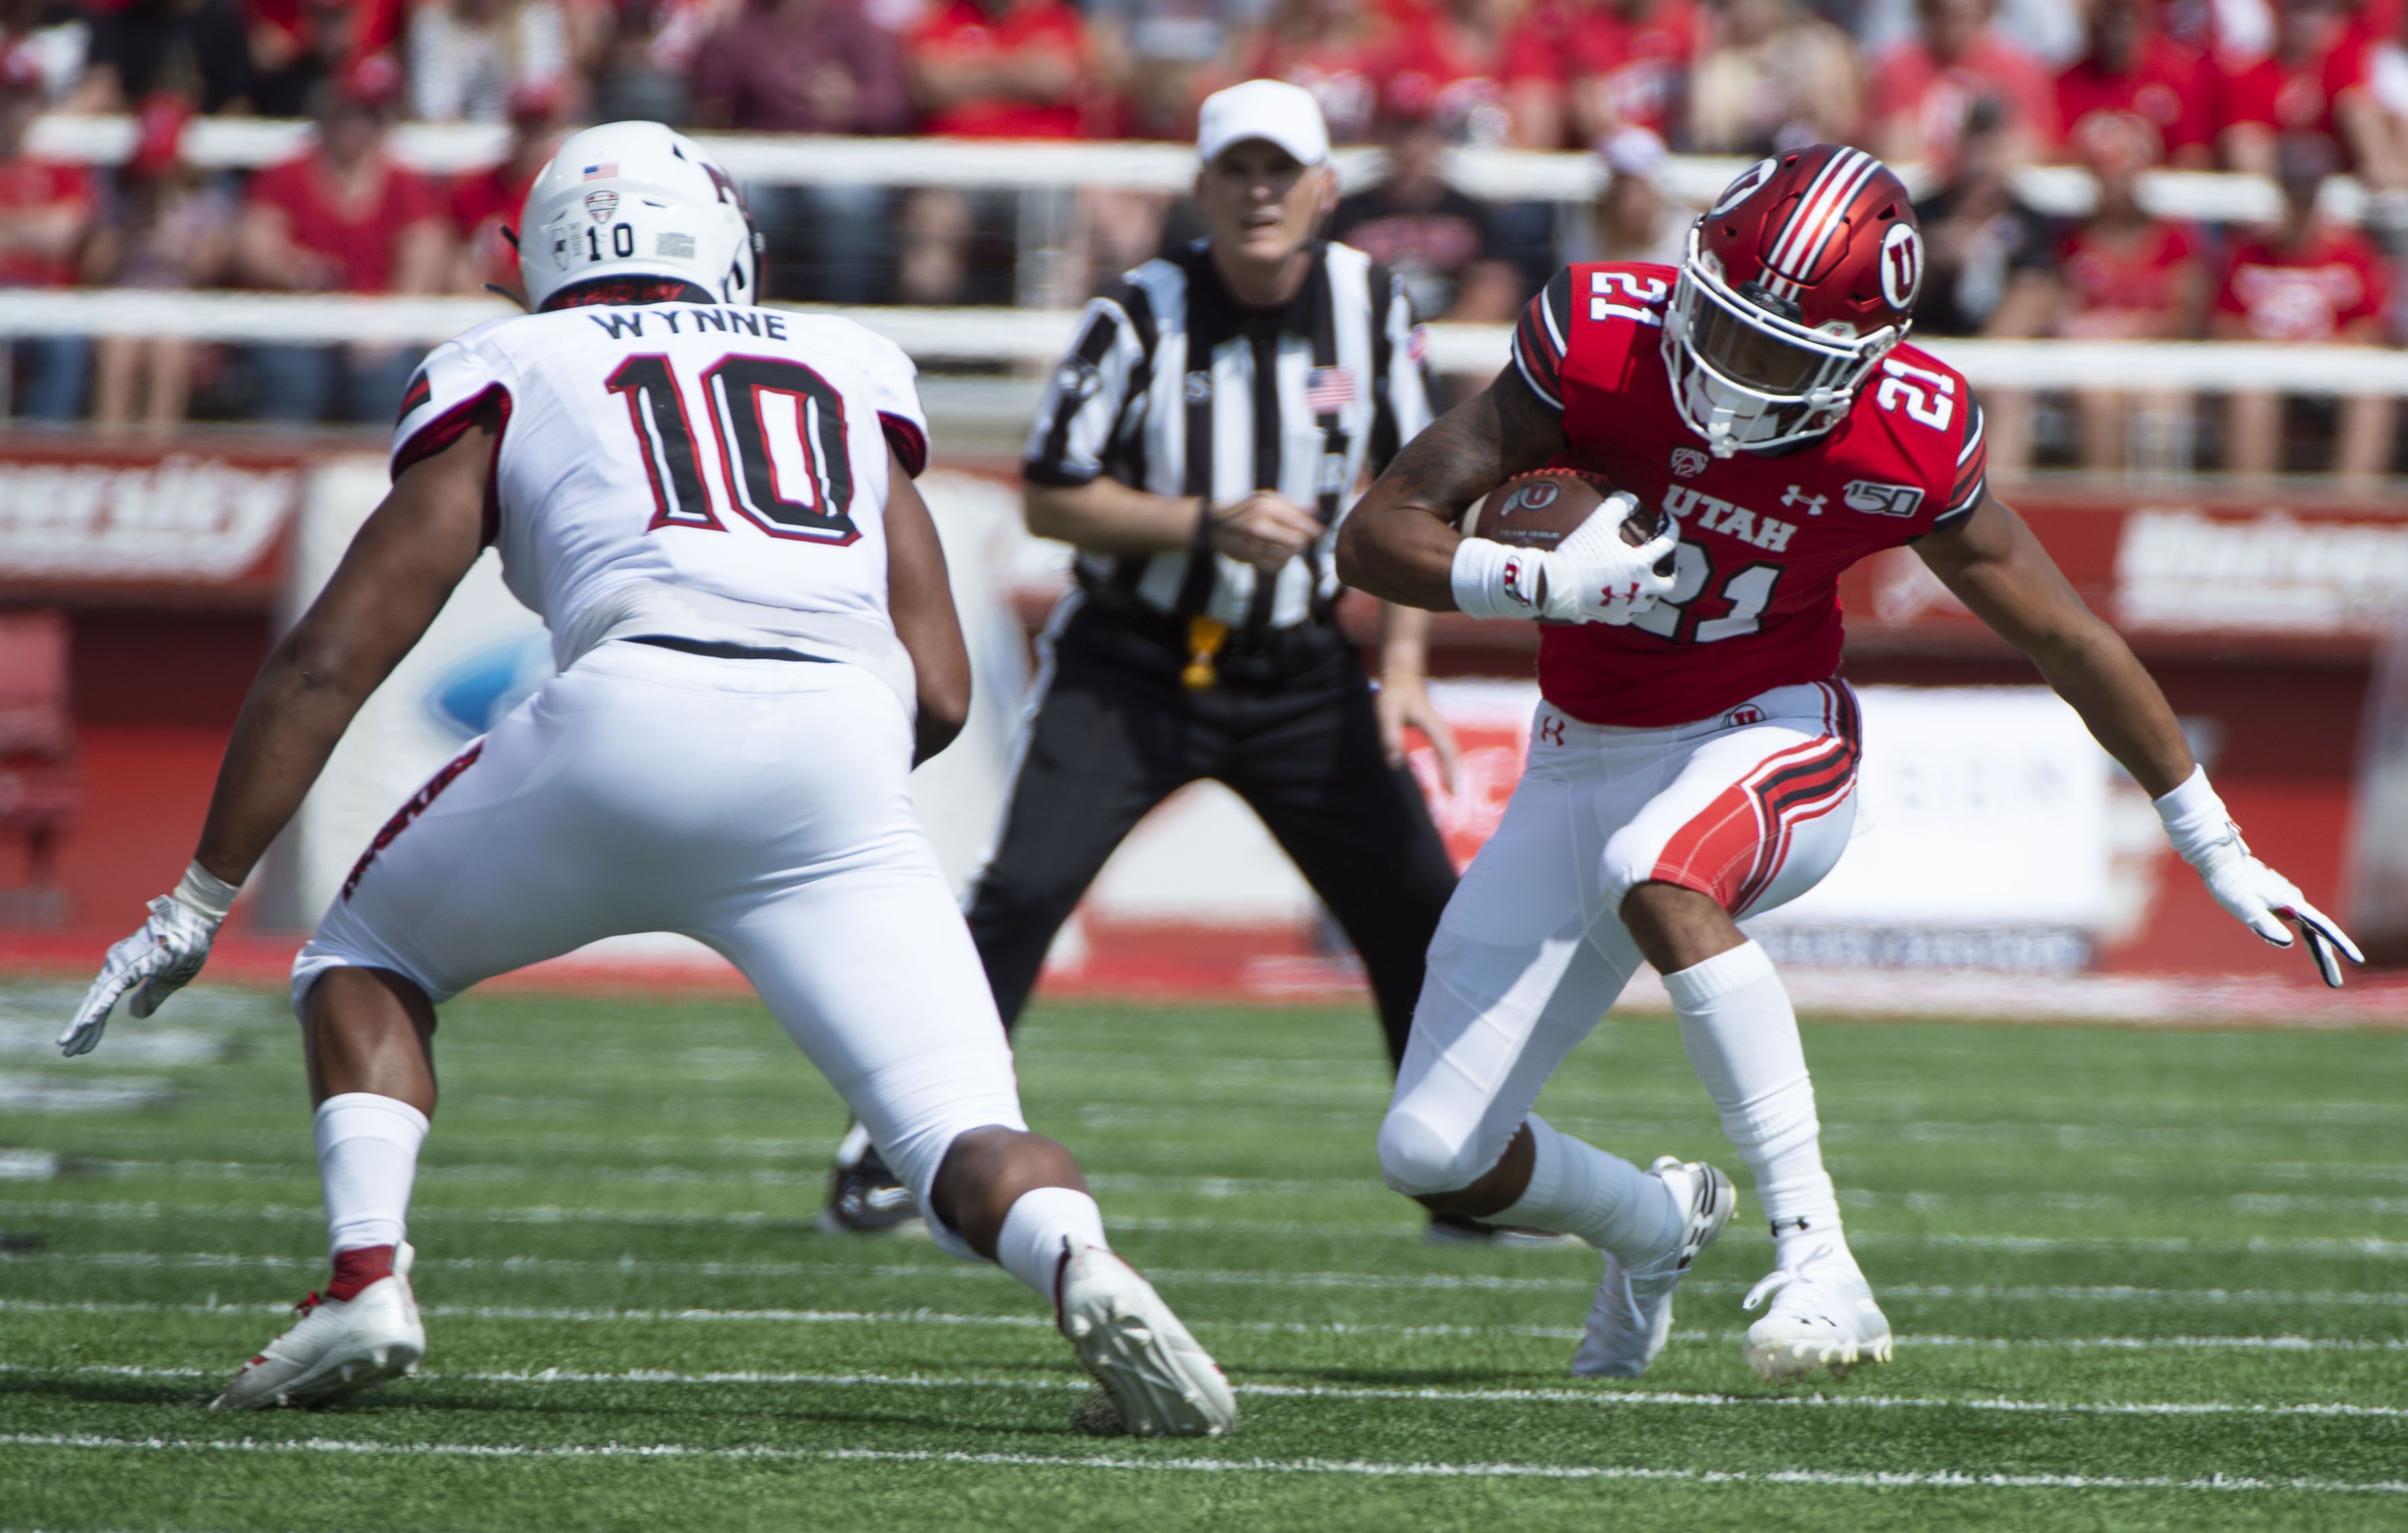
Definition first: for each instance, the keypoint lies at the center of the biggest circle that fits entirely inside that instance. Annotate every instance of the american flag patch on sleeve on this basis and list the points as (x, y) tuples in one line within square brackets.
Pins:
[(1328, 389)]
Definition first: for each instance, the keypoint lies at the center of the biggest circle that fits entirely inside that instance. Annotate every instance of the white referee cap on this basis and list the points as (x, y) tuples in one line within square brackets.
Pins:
[(1269, 110)]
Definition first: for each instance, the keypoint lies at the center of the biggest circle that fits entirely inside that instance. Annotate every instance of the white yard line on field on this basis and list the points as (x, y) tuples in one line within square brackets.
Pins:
[(1890, 1480), (580, 1315), (800, 1219), (1601, 1396), (1212, 1277)]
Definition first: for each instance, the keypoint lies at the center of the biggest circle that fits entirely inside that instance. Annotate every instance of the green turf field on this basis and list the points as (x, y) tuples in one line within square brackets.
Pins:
[(2140, 1280)]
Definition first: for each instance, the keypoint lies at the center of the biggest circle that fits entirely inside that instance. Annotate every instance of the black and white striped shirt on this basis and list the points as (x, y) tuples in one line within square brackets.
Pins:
[(1175, 388)]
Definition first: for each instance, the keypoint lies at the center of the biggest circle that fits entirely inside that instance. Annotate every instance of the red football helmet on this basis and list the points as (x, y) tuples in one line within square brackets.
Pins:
[(1799, 278)]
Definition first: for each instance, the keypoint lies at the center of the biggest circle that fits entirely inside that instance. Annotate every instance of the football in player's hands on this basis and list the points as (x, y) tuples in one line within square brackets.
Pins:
[(1539, 510)]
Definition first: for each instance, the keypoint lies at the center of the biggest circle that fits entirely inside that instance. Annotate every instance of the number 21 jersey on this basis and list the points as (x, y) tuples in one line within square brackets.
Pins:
[(716, 472), (1763, 535)]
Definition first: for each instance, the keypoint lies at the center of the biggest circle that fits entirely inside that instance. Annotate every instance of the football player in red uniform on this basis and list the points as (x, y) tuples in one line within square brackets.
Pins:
[(1693, 759)]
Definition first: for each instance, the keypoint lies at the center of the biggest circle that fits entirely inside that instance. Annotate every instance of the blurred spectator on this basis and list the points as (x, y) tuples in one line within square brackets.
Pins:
[(46, 209), (2046, 31), (1771, 76), (55, 34), (342, 216), (2305, 280), (1634, 222), (1924, 89), (1165, 54), (650, 55), (2123, 275), (297, 45), (1989, 255), (1581, 68), (1438, 241), (169, 229), (1334, 49), (801, 66), (1001, 69), (486, 203), (2315, 84), (466, 56), (2128, 69), (1449, 62), (198, 48)]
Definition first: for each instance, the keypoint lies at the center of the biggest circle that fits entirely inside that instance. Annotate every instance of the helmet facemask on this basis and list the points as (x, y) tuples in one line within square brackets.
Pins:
[(1746, 376)]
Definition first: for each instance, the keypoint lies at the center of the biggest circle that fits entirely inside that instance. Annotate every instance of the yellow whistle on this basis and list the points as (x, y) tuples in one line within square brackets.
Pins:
[(1205, 636)]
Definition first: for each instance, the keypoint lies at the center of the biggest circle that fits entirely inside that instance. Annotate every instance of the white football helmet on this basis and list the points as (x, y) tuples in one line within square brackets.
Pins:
[(637, 202)]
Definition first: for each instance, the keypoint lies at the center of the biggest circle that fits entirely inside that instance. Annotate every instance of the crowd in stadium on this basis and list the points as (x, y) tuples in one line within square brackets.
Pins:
[(2295, 90)]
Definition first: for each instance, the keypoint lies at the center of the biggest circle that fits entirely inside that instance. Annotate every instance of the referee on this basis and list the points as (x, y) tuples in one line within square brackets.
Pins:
[(1198, 446)]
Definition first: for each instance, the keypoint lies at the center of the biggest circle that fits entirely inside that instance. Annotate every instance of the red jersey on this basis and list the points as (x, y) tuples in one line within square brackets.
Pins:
[(2335, 280), (361, 238), (1432, 69), (2297, 98), (29, 185), (2165, 89), (2123, 292), (1641, 65), (962, 30), (1763, 535)]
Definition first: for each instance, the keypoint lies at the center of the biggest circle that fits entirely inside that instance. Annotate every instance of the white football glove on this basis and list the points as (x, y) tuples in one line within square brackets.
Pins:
[(2251, 893), (1593, 575), (156, 961)]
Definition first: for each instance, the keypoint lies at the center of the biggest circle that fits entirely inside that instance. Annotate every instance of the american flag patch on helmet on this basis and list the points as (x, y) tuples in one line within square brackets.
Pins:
[(607, 171)]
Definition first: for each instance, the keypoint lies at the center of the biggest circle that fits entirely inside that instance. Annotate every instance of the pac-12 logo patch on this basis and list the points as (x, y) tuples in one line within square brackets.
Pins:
[(1688, 462), (1881, 499), (1901, 266)]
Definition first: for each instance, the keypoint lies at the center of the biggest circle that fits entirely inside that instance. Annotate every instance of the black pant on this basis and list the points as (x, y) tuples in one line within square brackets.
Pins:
[(1289, 728)]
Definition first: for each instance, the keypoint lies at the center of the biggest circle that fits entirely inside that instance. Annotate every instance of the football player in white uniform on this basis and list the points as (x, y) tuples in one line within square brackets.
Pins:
[(710, 503)]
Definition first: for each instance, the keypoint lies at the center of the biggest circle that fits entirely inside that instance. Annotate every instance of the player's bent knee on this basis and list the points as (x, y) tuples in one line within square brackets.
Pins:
[(1418, 1159)]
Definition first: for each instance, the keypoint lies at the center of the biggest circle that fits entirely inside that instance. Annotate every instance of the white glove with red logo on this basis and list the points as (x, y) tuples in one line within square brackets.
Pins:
[(157, 961), (1592, 576), (2202, 831)]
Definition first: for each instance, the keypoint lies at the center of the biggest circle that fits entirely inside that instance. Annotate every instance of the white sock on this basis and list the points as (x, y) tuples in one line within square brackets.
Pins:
[(368, 1157), (1580, 1190), (1742, 1036), (1029, 1247)]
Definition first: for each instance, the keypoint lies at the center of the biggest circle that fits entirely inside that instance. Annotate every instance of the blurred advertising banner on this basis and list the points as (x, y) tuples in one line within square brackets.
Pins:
[(203, 523)]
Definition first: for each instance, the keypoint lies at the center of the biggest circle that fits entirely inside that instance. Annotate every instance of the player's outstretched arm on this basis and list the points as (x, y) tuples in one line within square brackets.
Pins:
[(1995, 565), (395, 578), (1400, 542), (920, 601)]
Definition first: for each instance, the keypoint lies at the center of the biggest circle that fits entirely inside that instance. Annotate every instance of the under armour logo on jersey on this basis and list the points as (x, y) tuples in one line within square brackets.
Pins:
[(1199, 387), (1551, 729), (1688, 462), (1796, 496), (1746, 713)]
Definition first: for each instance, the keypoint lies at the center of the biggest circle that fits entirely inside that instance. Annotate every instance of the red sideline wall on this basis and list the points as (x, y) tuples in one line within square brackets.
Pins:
[(156, 678)]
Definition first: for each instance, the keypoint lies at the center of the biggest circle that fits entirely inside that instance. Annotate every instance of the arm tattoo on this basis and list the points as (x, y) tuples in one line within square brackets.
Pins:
[(1475, 447)]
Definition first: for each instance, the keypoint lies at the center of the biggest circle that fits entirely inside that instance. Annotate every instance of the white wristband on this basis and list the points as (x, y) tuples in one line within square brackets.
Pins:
[(2196, 820), (204, 893), (1492, 581)]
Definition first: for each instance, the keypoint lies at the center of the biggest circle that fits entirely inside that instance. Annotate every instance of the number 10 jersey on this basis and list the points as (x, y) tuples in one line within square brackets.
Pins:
[(1763, 535), (715, 472)]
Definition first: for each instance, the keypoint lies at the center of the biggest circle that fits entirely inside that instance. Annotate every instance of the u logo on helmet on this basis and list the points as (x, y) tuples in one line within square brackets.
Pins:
[(1734, 194), (1901, 266)]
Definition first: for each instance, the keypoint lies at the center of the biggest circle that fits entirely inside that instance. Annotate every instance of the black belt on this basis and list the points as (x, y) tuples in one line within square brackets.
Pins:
[(1157, 637), (720, 651)]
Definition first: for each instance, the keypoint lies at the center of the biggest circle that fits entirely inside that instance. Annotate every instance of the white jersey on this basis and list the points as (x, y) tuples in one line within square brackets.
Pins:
[(715, 472)]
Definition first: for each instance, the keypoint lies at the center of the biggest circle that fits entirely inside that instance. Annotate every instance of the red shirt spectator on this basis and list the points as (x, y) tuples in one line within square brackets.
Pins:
[(1923, 89), (488, 201), (2130, 70), (1334, 51), (342, 216), (352, 231), (1001, 69), (802, 67), (1447, 69), (2330, 284), (2313, 83), (2129, 288), (1617, 63), (45, 206)]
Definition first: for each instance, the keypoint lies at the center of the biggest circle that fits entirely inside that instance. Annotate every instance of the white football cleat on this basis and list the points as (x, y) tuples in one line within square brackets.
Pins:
[(1632, 1317), (1161, 1382), (1823, 1317), (341, 1346)]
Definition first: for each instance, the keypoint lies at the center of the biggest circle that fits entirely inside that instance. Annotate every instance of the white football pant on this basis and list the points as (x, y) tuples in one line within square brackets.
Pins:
[(1752, 808), (762, 807)]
